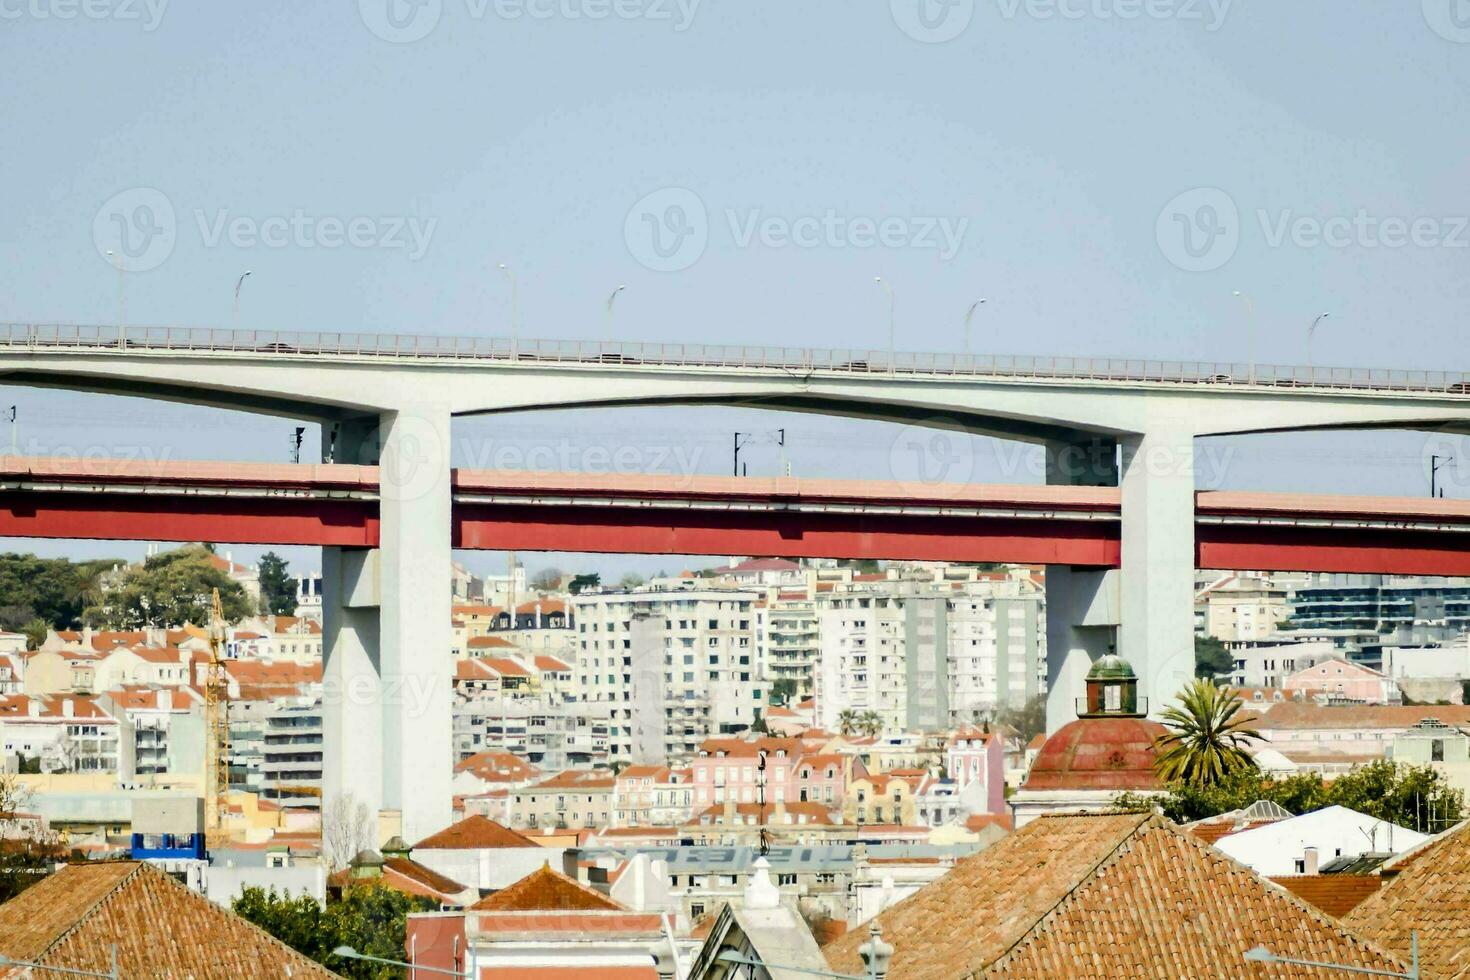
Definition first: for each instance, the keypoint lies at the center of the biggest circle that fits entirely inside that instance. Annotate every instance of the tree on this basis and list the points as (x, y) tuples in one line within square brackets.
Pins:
[(783, 689), (23, 859), (51, 590), (847, 721), (346, 829), (171, 589), (1211, 659), (370, 918), (547, 580), (631, 580), (580, 583), (35, 631), (1207, 736), (1028, 721), (277, 587), (870, 723)]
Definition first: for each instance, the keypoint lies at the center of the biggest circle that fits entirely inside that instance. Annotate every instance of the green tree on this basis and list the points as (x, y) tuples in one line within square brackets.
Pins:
[(171, 589), (1207, 736), (52, 590), (580, 582), (783, 689), (277, 587), (870, 723), (370, 918), (35, 631), (847, 722), (1211, 659), (631, 580), (1410, 796)]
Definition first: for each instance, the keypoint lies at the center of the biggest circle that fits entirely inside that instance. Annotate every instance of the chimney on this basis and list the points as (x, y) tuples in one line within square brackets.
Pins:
[(68, 707), (163, 700), (760, 891), (1309, 861)]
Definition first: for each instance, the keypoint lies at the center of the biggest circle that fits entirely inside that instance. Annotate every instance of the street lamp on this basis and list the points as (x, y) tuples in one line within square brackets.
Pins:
[(122, 306), (969, 314), (111, 974), (348, 953), (1250, 308), (888, 287), (875, 952), (515, 306), (1312, 330), (1263, 955), (610, 299), (238, 283)]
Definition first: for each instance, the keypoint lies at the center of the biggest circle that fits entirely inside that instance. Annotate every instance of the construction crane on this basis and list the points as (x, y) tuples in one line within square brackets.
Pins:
[(216, 729)]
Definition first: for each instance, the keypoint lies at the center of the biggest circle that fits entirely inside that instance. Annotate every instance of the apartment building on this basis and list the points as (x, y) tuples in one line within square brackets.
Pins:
[(291, 755), (653, 796), (61, 733), (788, 637), (1238, 608), (570, 800), (674, 665), (783, 770), (924, 654)]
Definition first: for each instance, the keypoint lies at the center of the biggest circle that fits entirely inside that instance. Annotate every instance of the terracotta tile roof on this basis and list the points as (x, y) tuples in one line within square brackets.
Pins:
[(548, 606), (409, 877), (544, 662), (161, 928), (1337, 895), (488, 643), (505, 667), (1424, 890), (545, 890), (110, 639), (472, 609), (474, 833), (977, 822), (576, 779), (498, 767), (473, 670), (642, 772), (1299, 715), (1101, 896), (739, 747), (158, 655), (1098, 753)]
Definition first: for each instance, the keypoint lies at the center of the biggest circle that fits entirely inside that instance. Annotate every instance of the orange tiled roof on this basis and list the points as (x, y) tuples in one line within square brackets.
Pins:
[(1306, 715), (548, 606), (545, 890), (554, 664), (1103, 896), (1424, 890), (473, 833), (71, 919), (1337, 895), (498, 767), (505, 667), (577, 779), (488, 643)]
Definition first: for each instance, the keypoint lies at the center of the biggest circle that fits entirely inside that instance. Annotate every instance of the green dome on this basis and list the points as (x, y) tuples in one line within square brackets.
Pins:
[(1111, 668)]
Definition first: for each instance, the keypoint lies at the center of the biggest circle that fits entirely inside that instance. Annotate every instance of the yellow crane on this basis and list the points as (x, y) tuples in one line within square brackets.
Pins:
[(216, 729)]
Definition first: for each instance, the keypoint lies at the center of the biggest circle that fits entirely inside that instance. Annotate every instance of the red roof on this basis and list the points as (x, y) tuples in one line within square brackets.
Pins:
[(474, 833), (1098, 754)]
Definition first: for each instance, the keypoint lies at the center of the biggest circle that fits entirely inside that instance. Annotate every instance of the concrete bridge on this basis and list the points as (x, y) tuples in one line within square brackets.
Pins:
[(387, 400)]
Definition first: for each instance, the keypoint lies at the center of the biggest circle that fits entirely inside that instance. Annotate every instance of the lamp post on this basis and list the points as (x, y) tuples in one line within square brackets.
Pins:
[(515, 308), (122, 306), (1436, 463), (348, 953), (613, 296), (1263, 955), (892, 311), (1310, 332), (111, 974), (235, 316), (969, 315), (1250, 309), (875, 952)]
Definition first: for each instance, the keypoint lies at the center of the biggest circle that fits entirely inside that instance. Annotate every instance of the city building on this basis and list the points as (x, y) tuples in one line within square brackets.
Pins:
[(291, 755), (1306, 844)]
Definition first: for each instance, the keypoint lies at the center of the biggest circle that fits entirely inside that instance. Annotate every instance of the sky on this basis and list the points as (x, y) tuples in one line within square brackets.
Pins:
[(1105, 174)]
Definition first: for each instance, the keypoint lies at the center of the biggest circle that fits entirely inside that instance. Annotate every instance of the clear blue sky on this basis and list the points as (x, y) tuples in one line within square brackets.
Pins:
[(525, 131)]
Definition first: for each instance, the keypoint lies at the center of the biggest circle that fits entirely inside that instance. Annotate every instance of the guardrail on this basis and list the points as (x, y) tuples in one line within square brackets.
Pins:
[(796, 361)]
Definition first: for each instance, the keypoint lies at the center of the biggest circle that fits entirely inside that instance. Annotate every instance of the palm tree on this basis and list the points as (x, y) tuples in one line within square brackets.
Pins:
[(847, 721), (870, 723), (1206, 738)]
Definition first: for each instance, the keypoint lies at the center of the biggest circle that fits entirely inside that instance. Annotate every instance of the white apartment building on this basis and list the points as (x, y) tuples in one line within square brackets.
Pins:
[(673, 666), (1241, 608), (788, 636), (925, 655), (1270, 664)]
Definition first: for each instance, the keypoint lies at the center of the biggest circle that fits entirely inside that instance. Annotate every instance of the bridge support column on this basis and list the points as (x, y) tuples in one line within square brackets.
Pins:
[(388, 732), (1157, 634), (1081, 604)]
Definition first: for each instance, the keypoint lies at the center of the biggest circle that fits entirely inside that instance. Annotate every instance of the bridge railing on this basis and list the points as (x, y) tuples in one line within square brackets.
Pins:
[(796, 361)]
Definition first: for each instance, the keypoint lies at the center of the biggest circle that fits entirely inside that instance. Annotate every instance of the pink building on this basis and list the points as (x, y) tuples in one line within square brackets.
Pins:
[(976, 762), (728, 769), (1343, 679)]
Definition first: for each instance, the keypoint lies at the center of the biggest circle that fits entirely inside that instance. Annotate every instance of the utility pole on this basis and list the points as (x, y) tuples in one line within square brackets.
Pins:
[(14, 433), (1436, 463), (235, 314), (295, 442)]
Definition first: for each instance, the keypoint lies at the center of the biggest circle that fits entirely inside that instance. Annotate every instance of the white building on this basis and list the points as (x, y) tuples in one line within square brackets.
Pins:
[(1305, 844), (673, 666), (1270, 664)]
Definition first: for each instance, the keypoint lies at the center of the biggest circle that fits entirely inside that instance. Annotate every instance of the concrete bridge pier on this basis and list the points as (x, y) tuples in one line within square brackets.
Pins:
[(1148, 604), (386, 611), (1082, 604)]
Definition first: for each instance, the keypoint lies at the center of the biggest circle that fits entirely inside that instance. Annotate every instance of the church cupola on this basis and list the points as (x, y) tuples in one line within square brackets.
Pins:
[(1112, 689)]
